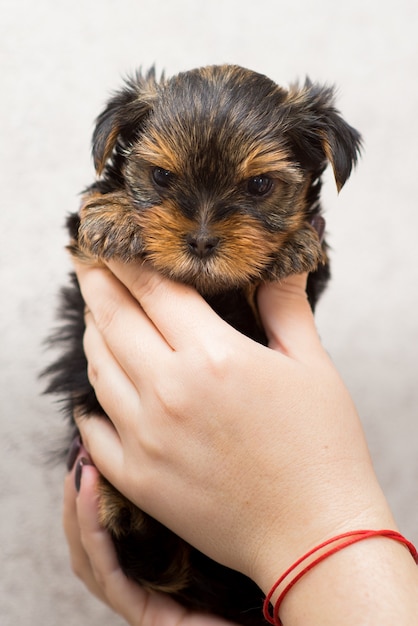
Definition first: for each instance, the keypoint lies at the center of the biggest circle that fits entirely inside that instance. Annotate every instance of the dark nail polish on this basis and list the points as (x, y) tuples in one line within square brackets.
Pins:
[(78, 471), (318, 222), (73, 452)]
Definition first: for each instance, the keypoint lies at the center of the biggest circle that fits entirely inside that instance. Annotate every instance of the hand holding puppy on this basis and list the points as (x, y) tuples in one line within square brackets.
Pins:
[(192, 447)]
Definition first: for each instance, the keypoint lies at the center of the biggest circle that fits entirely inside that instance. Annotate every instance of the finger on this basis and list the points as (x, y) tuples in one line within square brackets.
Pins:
[(95, 540), (127, 330), (124, 596), (114, 389), (287, 316), (177, 310), (95, 563), (102, 441), (80, 562)]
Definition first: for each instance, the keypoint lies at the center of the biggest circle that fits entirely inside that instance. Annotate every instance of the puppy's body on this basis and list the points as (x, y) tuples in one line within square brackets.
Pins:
[(214, 178)]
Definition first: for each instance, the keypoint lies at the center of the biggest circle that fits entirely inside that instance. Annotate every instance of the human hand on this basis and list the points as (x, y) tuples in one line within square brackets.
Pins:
[(251, 454), (94, 559)]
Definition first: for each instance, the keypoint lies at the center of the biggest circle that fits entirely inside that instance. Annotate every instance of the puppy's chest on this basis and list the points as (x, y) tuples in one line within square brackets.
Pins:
[(237, 307)]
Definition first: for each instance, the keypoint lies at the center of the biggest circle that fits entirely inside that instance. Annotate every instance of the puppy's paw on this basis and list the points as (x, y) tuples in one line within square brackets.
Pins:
[(303, 251), (109, 227)]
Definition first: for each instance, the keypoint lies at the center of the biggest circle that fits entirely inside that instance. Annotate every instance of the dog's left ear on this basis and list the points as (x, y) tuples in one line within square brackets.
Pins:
[(123, 117), (318, 132)]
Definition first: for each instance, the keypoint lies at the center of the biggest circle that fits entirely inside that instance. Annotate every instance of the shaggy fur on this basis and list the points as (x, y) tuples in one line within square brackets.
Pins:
[(213, 177)]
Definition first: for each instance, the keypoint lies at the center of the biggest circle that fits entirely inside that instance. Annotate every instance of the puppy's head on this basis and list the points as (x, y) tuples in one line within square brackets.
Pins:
[(219, 170)]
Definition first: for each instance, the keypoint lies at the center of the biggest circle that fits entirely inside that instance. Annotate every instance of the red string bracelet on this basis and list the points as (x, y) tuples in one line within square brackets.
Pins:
[(345, 540)]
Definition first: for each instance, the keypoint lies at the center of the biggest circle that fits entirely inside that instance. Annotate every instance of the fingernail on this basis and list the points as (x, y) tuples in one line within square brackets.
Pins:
[(318, 223), (78, 471), (73, 452)]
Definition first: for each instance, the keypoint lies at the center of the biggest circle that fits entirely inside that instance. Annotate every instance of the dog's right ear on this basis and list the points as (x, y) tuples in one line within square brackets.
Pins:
[(123, 116), (319, 133)]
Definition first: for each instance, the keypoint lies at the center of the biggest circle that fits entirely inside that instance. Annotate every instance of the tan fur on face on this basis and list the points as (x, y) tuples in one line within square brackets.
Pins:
[(266, 158), (112, 227), (159, 153), (241, 255)]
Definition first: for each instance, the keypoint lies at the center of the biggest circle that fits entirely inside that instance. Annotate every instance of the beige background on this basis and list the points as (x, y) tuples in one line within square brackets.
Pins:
[(59, 60)]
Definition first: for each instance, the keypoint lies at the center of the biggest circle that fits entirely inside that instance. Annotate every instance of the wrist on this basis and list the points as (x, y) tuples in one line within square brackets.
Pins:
[(310, 526), (366, 577)]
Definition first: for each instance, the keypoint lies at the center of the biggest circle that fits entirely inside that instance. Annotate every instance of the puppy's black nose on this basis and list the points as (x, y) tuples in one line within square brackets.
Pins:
[(202, 246)]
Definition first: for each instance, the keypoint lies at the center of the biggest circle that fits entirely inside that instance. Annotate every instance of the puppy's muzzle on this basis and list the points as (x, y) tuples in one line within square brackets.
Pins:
[(202, 245)]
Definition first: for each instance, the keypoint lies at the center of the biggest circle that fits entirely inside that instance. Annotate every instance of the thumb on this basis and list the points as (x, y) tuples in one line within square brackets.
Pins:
[(287, 317)]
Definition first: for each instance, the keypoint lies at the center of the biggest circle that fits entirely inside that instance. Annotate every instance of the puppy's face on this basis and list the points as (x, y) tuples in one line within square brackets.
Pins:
[(216, 192), (212, 176)]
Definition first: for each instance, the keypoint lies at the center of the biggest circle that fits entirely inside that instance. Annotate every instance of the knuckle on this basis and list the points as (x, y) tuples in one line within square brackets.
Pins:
[(217, 361), (106, 316), (145, 284), (90, 353), (78, 566), (170, 399), (209, 367), (92, 373)]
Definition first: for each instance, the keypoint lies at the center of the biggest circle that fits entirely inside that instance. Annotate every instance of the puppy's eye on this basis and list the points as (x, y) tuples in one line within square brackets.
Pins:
[(259, 185), (162, 177)]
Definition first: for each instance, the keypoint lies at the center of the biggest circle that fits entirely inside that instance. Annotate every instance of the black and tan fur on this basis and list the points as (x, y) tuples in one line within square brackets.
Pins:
[(213, 177)]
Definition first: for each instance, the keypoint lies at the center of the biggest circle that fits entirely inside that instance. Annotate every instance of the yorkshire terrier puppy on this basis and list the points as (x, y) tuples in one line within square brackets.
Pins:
[(213, 177)]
